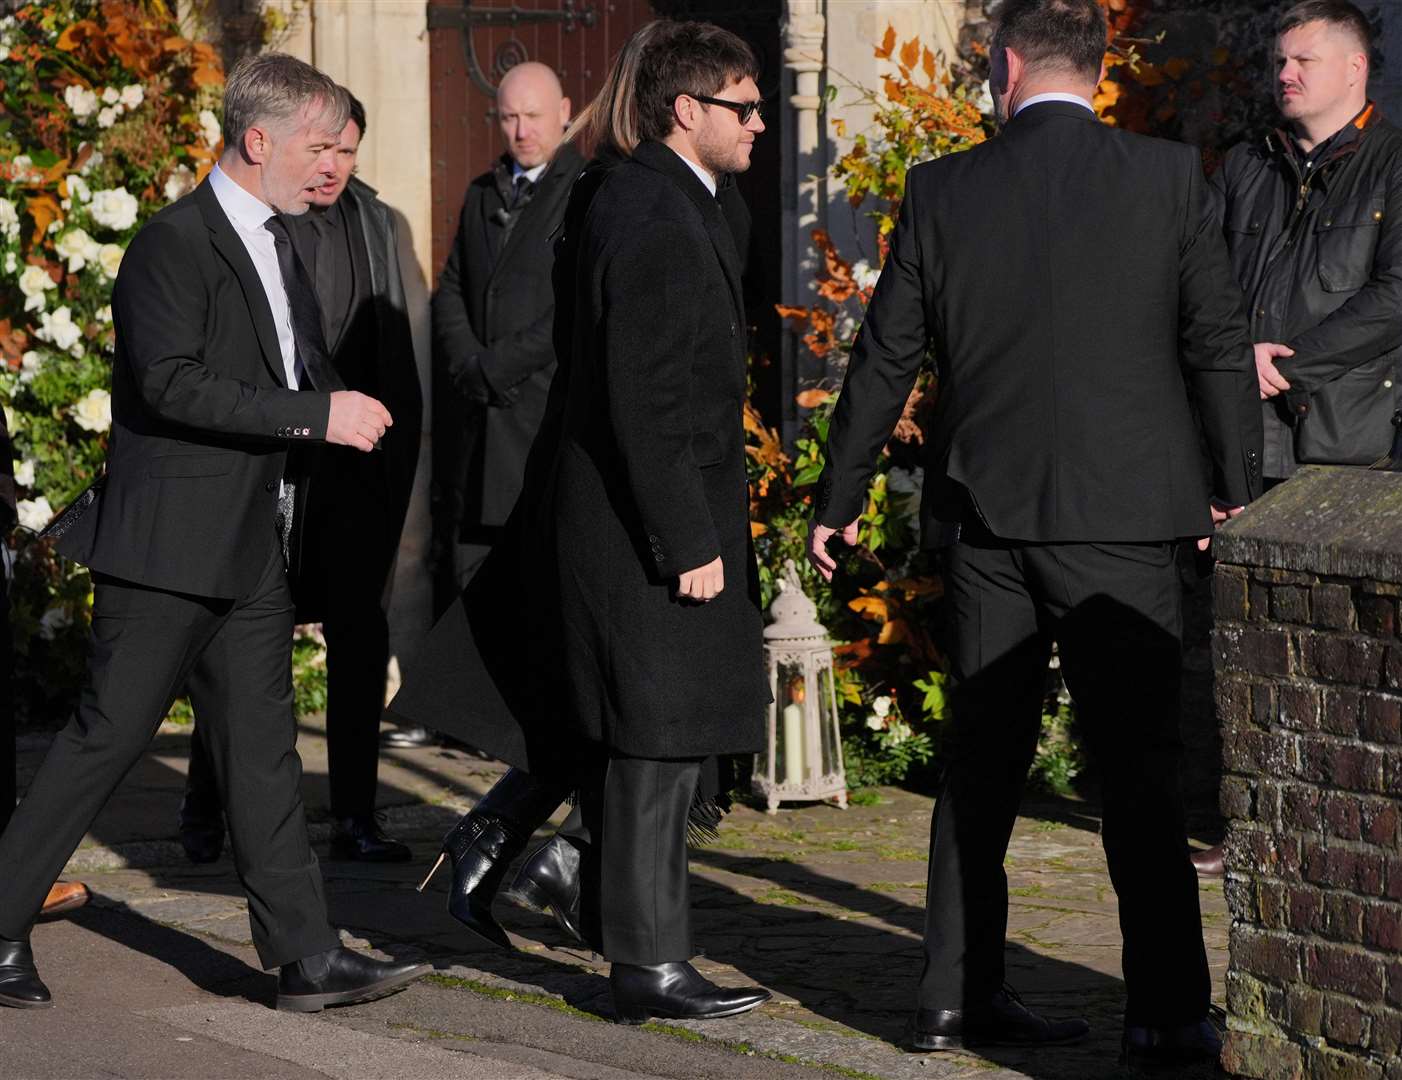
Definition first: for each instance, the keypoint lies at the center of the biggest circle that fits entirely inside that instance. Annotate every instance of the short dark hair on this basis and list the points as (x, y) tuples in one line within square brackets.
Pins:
[(357, 113), (1069, 34), (1339, 14), (687, 58)]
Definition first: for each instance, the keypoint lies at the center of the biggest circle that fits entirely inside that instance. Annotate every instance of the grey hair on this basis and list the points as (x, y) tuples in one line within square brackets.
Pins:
[(274, 89)]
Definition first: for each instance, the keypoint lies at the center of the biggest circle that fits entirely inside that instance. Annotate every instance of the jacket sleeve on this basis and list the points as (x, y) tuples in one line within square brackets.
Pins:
[(1215, 351), (649, 341), (160, 304), (1367, 324), (457, 346), (881, 372)]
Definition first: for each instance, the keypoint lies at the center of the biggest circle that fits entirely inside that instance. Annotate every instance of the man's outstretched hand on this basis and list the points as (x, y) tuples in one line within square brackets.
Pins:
[(818, 537), (1221, 514), (356, 420)]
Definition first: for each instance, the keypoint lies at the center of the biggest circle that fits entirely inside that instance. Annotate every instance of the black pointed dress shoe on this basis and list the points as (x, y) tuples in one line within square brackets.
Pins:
[(1006, 1022), (675, 991), (409, 738), (201, 830), (341, 977), (20, 985), (549, 881), (1186, 1044), (360, 839)]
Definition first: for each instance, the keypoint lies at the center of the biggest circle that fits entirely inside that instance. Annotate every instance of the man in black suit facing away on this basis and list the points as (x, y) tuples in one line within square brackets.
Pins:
[(1063, 467), (220, 369), (355, 506)]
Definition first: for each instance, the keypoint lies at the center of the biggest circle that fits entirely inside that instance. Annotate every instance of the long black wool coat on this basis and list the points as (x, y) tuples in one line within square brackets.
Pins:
[(572, 628)]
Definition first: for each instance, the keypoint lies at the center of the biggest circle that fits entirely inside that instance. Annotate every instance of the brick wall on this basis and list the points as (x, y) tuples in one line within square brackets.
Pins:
[(1309, 695)]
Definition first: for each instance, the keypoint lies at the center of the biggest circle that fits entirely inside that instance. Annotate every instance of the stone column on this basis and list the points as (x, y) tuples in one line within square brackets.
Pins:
[(804, 191), (1309, 689)]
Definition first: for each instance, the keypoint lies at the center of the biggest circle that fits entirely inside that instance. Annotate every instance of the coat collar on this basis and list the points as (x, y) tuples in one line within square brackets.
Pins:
[(563, 170), (1041, 111), (663, 159), (231, 248)]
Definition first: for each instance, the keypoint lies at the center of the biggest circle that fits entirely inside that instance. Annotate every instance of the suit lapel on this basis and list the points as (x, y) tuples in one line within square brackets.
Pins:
[(553, 182), (665, 160), (231, 249)]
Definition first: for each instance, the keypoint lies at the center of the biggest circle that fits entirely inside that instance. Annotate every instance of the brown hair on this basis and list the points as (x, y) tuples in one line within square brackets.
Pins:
[(610, 120), (687, 58), (1067, 35), (1339, 14)]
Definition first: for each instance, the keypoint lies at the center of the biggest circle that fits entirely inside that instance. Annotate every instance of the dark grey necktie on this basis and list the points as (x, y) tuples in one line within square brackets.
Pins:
[(313, 359)]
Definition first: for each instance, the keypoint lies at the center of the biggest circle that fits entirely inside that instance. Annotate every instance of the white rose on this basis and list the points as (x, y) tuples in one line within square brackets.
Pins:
[(882, 706), (108, 116), (93, 411), (54, 620), (11, 262), (109, 257), (133, 95), (9, 219), (81, 101), (104, 313), (30, 364), (180, 182), (24, 475), (78, 248), (78, 188), (110, 95), (876, 723), (864, 275), (114, 208), (34, 513), (33, 281), (59, 329), (209, 125)]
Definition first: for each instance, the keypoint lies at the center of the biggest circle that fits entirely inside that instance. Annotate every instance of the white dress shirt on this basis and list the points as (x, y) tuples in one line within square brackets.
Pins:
[(701, 174), (532, 174), (1074, 99), (247, 213)]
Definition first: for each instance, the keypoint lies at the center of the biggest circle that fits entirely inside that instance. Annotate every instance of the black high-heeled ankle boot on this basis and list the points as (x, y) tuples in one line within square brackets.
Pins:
[(549, 881), (482, 845)]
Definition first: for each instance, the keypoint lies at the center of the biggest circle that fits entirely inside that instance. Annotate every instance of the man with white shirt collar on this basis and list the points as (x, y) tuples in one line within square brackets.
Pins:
[(221, 368), (1062, 468)]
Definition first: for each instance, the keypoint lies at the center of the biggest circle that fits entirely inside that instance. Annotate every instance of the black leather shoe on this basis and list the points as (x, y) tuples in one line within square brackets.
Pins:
[(1006, 1022), (549, 881), (1185, 1045), (675, 991), (408, 738), (341, 977), (361, 840), (482, 845), (201, 831), (20, 985), (1208, 862)]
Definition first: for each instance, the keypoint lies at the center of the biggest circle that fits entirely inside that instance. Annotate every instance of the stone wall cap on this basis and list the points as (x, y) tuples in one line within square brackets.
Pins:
[(1335, 520)]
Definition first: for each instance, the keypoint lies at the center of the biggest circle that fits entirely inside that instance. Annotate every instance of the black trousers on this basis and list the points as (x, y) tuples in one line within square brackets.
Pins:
[(235, 658), (1114, 611), (7, 708), (636, 901)]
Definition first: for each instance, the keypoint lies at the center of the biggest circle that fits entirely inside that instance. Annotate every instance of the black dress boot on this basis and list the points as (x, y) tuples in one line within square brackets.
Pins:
[(341, 977), (360, 839), (20, 985), (1183, 1045), (675, 991), (482, 845), (549, 881), (1006, 1021)]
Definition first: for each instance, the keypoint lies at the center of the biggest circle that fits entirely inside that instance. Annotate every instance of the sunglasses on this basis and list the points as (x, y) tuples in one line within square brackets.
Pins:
[(743, 109)]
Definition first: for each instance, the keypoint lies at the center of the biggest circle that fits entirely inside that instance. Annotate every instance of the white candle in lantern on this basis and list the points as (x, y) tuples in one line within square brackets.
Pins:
[(793, 743)]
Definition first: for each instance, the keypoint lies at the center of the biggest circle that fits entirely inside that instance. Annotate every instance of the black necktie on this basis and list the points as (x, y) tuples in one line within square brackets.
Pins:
[(522, 190), (307, 334)]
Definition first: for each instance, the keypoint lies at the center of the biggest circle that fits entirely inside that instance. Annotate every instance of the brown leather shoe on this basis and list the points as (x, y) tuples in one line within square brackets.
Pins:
[(1208, 862), (64, 897)]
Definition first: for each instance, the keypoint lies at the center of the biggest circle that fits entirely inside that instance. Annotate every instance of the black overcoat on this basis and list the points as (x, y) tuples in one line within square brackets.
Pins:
[(534, 656), (493, 352)]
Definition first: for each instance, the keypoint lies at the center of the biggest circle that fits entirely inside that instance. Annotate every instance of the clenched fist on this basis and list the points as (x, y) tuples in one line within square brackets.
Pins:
[(704, 583), (356, 420)]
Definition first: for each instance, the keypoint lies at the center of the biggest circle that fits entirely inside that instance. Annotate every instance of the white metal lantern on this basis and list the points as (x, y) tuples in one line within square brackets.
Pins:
[(803, 757)]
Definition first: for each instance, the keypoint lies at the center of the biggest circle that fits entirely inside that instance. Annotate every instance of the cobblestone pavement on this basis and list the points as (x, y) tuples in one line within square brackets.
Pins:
[(822, 906)]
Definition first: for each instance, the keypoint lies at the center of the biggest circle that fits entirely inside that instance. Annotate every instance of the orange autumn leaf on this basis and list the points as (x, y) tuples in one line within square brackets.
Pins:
[(910, 53), (893, 89), (870, 607), (79, 34), (888, 44), (209, 70), (758, 528), (798, 314), (55, 171), (927, 62), (44, 210), (811, 399), (894, 631)]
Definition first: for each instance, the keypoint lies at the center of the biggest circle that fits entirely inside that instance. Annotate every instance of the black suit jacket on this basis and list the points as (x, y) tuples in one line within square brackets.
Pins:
[(201, 416), (493, 353), (1076, 293)]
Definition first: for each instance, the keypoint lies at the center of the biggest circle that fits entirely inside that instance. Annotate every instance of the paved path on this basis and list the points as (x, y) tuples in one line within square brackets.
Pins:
[(822, 906)]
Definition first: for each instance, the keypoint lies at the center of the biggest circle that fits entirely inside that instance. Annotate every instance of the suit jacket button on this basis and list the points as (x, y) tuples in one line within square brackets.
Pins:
[(658, 557), (270, 486)]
